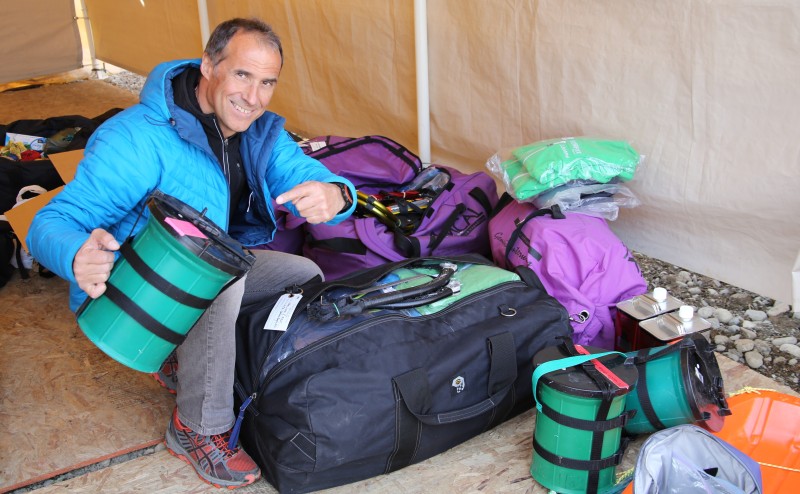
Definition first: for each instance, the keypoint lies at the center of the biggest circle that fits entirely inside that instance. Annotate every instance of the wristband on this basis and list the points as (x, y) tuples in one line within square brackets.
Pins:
[(348, 201)]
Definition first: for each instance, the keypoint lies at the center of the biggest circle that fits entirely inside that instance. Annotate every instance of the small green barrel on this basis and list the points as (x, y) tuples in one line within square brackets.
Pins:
[(161, 284), (579, 419), (678, 384)]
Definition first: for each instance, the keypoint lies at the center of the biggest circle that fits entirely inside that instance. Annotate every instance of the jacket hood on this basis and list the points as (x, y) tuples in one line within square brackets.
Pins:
[(157, 91)]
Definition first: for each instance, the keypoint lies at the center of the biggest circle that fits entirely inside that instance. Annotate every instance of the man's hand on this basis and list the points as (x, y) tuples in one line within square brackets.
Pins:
[(317, 202), (93, 262)]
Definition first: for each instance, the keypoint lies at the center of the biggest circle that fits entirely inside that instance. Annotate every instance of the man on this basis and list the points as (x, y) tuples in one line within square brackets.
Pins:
[(201, 134)]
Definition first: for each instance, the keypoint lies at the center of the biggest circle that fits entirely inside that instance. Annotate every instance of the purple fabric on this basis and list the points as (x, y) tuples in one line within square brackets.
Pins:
[(579, 260), (288, 234), (376, 163)]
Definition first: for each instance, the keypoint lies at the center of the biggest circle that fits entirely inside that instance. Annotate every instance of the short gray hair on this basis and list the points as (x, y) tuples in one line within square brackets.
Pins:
[(224, 32)]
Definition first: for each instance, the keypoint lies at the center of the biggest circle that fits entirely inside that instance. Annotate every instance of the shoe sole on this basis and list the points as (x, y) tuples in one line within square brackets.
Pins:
[(179, 452), (161, 382)]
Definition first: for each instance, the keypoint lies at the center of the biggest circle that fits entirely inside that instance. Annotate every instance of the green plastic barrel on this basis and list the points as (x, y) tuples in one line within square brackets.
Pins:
[(161, 284), (574, 395), (678, 384)]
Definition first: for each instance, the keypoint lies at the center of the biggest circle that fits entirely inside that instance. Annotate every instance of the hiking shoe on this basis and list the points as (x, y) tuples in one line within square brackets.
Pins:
[(167, 376), (210, 456)]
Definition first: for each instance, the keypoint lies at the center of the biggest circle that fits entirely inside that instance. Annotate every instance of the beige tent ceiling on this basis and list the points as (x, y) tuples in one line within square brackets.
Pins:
[(706, 90)]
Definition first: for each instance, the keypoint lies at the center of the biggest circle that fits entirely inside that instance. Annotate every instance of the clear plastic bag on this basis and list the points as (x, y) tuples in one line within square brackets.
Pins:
[(601, 200), (532, 169)]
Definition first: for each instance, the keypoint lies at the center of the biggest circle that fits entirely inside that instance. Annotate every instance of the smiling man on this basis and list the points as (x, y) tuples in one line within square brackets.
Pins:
[(201, 133)]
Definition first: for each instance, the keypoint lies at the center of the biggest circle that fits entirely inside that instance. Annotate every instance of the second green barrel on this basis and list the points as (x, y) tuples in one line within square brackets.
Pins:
[(579, 419)]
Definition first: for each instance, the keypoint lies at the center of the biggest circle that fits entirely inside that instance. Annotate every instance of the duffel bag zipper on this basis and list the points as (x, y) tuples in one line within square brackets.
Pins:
[(380, 320), (308, 298), (237, 426)]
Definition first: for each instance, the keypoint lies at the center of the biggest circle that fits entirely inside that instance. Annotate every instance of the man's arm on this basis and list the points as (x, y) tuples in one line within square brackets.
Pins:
[(309, 184), (107, 185)]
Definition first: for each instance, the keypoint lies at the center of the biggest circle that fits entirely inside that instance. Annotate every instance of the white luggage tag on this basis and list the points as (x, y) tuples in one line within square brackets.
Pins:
[(281, 313)]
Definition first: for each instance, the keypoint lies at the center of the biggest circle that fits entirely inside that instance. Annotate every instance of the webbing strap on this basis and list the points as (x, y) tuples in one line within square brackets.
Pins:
[(140, 316), (586, 465), (479, 195), (393, 147), (586, 425), (555, 212), (644, 396), (645, 357), (563, 363), (596, 451), (437, 238), (160, 283), (340, 244), (407, 441), (605, 371)]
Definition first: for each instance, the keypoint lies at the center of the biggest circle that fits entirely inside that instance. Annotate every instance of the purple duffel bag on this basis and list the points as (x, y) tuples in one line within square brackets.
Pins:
[(579, 260), (454, 219)]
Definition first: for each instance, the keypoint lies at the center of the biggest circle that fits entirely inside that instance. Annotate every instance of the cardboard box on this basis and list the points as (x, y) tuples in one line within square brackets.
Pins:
[(21, 216)]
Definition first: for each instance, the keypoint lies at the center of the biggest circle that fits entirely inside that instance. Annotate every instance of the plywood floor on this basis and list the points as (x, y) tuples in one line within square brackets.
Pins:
[(64, 405)]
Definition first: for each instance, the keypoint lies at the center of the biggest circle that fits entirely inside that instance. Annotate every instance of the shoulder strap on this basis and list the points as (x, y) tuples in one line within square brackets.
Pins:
[(554, 212)]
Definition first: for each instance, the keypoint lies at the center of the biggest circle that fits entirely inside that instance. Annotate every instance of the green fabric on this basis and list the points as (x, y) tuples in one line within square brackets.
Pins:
[(541, 166), (473, 278)]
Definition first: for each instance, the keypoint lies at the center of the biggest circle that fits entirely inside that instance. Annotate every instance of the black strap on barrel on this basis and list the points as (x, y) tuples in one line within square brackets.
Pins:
[(160, 283), (140, 316), (642, 357), (587, 425), (644, 395), (593, 480), (592, 466)]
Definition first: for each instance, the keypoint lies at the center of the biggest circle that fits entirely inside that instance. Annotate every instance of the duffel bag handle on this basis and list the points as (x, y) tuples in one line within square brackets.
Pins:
[(415, 391)]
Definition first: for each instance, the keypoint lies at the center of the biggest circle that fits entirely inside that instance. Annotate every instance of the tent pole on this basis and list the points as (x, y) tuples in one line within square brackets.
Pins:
[(202, 10), (423, 100), (98, 67)]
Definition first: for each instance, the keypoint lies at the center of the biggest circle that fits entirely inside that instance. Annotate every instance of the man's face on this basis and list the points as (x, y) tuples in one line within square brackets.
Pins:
[(240, 86)]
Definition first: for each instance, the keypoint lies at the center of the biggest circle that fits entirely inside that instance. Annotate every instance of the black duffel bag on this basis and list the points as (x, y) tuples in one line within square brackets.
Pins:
[(365, 381)]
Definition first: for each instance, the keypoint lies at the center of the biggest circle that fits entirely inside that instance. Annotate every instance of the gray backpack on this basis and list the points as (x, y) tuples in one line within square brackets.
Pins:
[(687, 459)]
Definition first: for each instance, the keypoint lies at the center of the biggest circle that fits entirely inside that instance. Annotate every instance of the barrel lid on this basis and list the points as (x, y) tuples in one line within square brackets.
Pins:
[(576, 381), (703, 381), (210, 242)]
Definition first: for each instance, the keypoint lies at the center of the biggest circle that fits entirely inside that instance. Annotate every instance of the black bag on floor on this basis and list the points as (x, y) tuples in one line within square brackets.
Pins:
[(366, 381)]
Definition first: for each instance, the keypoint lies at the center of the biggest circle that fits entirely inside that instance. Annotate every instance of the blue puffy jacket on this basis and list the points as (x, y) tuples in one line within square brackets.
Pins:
[(158, 145)]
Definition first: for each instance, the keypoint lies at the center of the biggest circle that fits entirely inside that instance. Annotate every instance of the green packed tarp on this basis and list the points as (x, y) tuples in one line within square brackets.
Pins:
[(541, 166)]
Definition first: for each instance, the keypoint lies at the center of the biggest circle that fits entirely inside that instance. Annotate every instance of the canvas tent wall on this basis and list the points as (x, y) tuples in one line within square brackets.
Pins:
[(39, 37), (705, 89)]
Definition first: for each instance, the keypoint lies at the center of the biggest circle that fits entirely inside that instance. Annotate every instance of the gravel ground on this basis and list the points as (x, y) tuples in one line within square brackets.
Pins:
[(126, 80), (746, 327)]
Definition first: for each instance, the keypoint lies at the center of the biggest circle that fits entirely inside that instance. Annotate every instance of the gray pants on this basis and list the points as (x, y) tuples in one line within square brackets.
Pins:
[(207, 357)]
